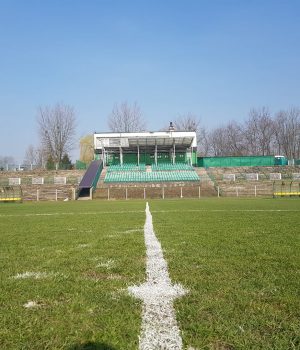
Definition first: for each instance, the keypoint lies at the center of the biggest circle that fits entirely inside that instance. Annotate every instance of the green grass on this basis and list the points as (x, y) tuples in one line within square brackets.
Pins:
[(242, 268), (240, 260), (86, 245)]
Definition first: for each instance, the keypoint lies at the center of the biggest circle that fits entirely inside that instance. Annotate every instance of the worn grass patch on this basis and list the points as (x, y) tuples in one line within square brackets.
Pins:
[(63, 281), (240, 260)]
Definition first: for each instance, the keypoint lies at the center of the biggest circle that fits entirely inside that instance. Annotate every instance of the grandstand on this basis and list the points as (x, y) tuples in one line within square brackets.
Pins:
[(156, 173), (255, 181), (160, 164), (150, 181), (143, 157), (39, 184)]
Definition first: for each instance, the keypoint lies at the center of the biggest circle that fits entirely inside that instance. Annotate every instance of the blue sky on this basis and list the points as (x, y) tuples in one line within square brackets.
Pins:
[(216, 59)]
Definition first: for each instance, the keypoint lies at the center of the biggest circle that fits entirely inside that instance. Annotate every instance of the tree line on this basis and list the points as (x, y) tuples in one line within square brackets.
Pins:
[(56, 130), (261, 133)]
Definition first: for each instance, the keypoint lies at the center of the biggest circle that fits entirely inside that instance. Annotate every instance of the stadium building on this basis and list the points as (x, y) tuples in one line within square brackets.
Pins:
[(142, 157), (146, 148), (158, 164)]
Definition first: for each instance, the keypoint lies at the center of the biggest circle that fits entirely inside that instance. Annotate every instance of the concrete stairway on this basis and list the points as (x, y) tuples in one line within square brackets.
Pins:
[(204, 177), (102, 177)]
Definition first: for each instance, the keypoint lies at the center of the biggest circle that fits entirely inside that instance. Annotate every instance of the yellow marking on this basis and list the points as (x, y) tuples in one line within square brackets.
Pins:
[(10, 199), (286, 193)]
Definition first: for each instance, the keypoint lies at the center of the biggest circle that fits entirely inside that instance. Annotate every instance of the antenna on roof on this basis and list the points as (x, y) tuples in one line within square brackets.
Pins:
[(171, 127)]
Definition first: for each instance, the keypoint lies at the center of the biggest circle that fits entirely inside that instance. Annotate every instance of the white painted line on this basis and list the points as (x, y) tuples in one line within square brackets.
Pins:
[(34, 275), (153, 211), (225, 210), (159, 326), (73, 213)]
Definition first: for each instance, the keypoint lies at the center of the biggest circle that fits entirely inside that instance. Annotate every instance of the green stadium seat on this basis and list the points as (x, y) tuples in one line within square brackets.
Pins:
[(163, 172)]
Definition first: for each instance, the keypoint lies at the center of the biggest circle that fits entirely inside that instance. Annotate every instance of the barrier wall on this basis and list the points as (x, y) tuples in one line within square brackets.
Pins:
[(208, 162)]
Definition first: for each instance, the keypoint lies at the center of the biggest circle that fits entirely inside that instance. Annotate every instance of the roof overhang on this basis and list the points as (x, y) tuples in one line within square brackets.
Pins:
[(182, 139)]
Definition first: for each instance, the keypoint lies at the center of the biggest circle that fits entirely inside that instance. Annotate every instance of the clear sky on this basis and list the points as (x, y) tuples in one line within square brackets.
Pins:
[(216, 59)]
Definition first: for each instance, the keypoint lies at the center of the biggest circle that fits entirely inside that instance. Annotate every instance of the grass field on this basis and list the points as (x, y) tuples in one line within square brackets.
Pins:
[(66, 267)]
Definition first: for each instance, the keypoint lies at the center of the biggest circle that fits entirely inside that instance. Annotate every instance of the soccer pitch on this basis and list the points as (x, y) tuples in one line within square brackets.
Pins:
[(66, 268)]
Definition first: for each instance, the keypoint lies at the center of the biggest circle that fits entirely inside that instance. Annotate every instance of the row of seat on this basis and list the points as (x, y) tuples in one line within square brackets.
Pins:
[(126, 167), (159, 176), (169, 167), (142, 167)]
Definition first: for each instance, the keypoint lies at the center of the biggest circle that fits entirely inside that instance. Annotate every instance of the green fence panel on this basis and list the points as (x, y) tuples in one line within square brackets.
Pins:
[(80, 165), (235, 161)]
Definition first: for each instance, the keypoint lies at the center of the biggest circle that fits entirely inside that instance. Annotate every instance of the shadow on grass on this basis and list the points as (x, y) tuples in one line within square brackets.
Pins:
[(91, 346)]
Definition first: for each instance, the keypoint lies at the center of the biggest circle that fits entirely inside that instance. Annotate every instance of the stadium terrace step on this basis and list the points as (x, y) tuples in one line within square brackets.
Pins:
[(154, 191), (171, 167), (102, 177), (72, 176), (205, 178), (154, 176), (246, 190), (156, 173), (48, 192), (263, 172), (126, 167)]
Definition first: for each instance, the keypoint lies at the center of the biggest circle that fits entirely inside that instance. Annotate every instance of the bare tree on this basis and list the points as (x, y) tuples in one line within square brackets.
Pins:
[(41, 157), (235, 145), (226, 140), (30, 155), (190, 122), (57, 130), (287, 132), (218, 142), (203, 142), (187, 122), (126, 118), (5, 161), (259, 132), (35, 155)]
